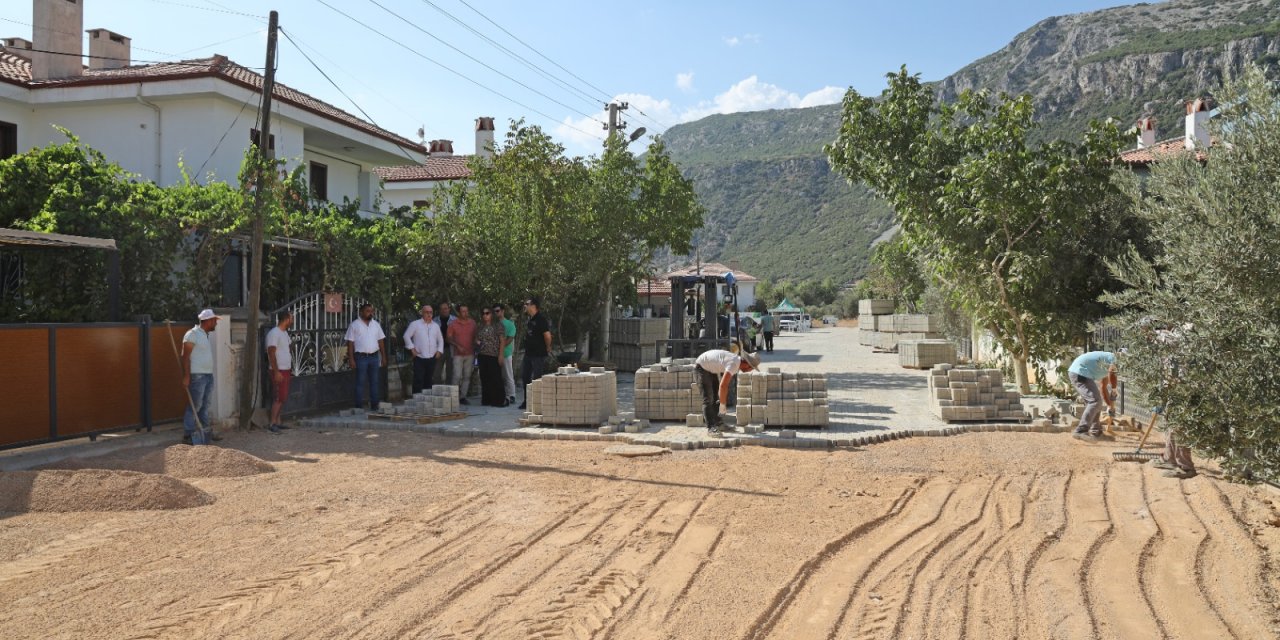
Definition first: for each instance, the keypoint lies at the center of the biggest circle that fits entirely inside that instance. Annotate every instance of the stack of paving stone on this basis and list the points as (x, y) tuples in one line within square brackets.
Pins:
[(571, 397), (967, 394), (668, 391), (925, 354), (633, 341), (439, 400), (884, 331), (778, 399)]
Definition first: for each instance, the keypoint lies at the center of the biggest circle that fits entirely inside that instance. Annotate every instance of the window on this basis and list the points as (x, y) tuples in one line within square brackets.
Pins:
[(255, 135), (319, 175), (421, 204), (8, 139)]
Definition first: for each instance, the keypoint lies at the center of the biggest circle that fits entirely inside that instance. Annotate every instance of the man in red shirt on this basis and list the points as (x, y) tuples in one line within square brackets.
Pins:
[(462, 337)]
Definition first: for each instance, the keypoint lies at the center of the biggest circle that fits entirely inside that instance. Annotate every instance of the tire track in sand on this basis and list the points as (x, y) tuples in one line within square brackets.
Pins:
[(1055, 582), (577, 602), (1120, 600), (261, 594), (1176, 592), (895, 589), (811, 602), (1247, 605)]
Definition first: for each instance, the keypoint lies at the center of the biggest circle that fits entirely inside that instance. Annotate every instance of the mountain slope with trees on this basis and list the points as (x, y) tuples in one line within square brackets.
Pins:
[(774, 204)]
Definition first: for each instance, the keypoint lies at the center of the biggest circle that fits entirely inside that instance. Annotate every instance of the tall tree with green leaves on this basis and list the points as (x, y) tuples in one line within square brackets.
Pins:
[(1201, 318), (1016, 232)]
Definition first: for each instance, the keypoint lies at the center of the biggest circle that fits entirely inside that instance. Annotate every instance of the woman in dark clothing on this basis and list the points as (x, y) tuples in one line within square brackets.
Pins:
[(489, 340)]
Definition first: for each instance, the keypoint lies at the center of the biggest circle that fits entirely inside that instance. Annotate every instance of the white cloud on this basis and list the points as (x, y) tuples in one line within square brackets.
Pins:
[(753, 95), (746, 38), (684, 81)]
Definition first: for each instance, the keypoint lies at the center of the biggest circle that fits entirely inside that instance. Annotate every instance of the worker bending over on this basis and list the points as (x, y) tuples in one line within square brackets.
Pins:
[(716, 369), (1086, 373)]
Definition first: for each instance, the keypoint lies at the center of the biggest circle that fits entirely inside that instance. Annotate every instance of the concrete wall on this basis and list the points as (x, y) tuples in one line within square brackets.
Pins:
[(404, 194)]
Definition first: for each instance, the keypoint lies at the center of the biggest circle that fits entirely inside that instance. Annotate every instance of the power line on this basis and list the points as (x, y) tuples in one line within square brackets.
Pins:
[(535, 68), (530, 47), (162, 53), (233, 126), (157, 62), (453, 71), (480, 62), (202, 8), (344, 93), (399, 107)]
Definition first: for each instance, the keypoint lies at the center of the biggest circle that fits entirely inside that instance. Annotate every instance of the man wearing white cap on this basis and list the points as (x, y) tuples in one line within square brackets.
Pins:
[(197, 377), (716, 369)]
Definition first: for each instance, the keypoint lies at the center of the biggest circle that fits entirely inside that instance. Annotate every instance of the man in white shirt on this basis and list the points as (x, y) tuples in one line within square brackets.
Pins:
[(281, 361), (367, 354), (423, 339), (197, 377), (716, 369)]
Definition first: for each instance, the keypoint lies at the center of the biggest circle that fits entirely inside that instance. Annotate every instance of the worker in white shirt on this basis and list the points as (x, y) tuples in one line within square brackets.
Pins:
[(423, 339), (281, 361), (367, 354), (716, 369)]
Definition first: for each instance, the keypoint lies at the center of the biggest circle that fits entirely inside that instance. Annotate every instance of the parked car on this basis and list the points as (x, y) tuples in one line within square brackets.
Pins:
[(830, 320), (806, 323), (787, 324)]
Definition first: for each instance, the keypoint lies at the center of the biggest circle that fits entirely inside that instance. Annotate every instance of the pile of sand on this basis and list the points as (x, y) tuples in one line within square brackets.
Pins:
[(183, 461), (62, 490)]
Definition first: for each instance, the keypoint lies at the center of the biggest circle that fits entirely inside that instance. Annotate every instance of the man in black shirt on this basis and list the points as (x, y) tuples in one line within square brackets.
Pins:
[(537, 346)]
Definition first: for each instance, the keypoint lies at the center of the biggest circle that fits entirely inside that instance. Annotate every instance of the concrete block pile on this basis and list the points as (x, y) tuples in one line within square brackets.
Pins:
[(439, 400), (633, 341), (966, 394), (571, 397), (668, 392), (925, 354), (881, 329), (778, 399)]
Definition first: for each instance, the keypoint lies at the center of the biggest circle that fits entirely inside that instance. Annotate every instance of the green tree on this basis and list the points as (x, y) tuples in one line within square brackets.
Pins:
[(1201, 318), (1016, 233)]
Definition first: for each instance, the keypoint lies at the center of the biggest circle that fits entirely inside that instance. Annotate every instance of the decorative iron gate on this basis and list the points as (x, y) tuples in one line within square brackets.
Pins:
[(321, 375)]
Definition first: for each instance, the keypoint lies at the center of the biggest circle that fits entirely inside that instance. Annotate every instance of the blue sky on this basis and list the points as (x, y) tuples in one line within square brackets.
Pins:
[(674, 60)]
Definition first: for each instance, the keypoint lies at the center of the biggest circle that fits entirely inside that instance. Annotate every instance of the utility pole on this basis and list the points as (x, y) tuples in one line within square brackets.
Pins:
[(615, 127), (263, 176)]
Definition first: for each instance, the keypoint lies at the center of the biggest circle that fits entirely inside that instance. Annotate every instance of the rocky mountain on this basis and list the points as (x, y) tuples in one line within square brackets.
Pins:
[(774, 205)]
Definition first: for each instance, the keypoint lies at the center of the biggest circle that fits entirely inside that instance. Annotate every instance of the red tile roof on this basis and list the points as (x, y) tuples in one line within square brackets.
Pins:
[(16, 70), (437, 168), (1158, 151), (711, 269)]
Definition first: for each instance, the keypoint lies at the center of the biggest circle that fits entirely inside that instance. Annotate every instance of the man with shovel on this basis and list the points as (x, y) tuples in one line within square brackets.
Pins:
[(197, 378)]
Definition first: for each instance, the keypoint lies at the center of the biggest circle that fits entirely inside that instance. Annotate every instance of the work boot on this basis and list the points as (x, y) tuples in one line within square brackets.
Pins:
[(1084, 436), (1181, 474), (215, 437), (274, 429), (186, 438), (1164, 466)]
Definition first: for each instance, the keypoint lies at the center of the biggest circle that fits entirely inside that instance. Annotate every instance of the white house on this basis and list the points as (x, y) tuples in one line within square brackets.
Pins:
[(200, 113), (414, 185), (656, 292)]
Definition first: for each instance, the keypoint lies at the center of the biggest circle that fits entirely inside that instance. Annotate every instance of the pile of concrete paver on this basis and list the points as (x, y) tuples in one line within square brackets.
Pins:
[(880, 328), (439, 400), (633, 341), (925, 354), (779, 399), (668, 391), (968, 394), (572, 397)]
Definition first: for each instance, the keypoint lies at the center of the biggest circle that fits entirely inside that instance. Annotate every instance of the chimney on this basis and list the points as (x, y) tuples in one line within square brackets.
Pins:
[(441, 149), (107, 49), (1146, 133), (58, 25), (20, 47), (484, 137), (1197, 133)]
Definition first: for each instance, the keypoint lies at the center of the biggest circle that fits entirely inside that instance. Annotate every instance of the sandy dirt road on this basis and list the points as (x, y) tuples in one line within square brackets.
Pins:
[(400, 535)]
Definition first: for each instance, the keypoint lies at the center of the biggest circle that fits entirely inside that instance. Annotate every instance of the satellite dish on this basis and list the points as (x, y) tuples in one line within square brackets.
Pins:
[(635, 135), (422, 134)]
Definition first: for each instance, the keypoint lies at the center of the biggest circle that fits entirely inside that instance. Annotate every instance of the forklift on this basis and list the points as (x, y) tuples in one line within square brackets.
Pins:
[(696, 325)]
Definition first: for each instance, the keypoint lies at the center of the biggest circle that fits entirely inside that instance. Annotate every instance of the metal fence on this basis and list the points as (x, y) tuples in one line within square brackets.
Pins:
[(73, 380)]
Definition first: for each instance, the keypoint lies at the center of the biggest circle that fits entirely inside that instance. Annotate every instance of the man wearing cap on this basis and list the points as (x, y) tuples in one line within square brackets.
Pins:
[(367, 354), (537, 346), (716, 369), (1086, 372), (197, 377)]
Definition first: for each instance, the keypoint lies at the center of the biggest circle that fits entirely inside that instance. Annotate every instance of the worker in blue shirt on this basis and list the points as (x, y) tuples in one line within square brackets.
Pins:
[(1087, 372)]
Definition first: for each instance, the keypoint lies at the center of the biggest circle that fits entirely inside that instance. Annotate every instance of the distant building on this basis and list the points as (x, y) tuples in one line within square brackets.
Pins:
[(414, 185), (656, 292), (1195, 138), (147, 118)]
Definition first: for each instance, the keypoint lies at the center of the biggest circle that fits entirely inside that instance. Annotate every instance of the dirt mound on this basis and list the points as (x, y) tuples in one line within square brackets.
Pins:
[(184, 461), (62, 490)]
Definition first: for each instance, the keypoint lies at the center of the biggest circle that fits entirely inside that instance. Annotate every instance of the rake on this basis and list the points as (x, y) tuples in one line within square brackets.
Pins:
[(1138, 455)]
